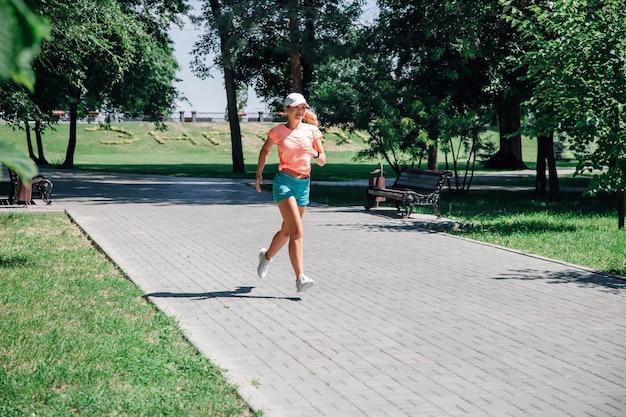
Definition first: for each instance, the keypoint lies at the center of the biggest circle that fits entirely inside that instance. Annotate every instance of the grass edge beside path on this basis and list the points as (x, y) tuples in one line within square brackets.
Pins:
[(77, 337), (579, 230)]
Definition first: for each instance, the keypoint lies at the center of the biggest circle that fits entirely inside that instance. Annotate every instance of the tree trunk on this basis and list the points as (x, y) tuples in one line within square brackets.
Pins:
[(545, 154), (540, 179), (231, 90), (432, 156), (29, 142), (621, 207), (309, 36), (233, 121), (71, 145), (294, 55), (555, 188), (433, 149), (41, 159), (509, 156)]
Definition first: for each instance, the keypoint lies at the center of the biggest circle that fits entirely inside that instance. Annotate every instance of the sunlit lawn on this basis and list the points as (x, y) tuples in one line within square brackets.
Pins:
[(78, 338), (201, 149)]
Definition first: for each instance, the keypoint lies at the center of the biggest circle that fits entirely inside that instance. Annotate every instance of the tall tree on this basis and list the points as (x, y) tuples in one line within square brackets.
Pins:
[(577, 60), (286, 40), (414, 86), (224, 32), (295, 66), (437, 57), (271, 45), (502, 45)]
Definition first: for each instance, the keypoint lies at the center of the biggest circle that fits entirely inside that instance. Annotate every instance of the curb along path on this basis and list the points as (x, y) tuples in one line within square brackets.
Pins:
[(402, 321)]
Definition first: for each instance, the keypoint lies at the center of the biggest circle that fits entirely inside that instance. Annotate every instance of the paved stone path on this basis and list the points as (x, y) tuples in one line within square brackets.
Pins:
[(402, 321)]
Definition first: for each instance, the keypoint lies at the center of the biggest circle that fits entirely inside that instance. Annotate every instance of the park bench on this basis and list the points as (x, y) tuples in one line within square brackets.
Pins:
[(20, 193), (412, 187)]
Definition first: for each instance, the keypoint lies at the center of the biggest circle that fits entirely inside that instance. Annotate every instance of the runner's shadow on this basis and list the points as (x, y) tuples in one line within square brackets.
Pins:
[(240, 292)]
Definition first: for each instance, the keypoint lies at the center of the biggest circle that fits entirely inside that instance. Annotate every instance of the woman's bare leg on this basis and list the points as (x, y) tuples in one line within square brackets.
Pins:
[(291, 231), (278, 241)]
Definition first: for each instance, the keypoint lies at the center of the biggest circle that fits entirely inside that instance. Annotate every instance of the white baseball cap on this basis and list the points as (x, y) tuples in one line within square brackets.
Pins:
[(295, 99)]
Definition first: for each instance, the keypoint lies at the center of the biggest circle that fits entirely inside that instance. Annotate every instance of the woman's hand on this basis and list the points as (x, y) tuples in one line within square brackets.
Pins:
[(257, 183), (317, 152)]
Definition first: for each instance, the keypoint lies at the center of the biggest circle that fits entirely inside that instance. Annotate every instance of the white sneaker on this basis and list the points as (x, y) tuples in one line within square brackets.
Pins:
[(303, 283), (264, 264)]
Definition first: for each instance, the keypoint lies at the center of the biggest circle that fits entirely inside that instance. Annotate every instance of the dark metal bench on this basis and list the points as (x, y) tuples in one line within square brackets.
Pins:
[(413, 187), (40, 185)]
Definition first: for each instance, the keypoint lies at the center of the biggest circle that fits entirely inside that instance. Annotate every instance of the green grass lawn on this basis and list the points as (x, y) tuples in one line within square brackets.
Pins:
[(185, 149), (577, 229), (78, 338), (201, 150)]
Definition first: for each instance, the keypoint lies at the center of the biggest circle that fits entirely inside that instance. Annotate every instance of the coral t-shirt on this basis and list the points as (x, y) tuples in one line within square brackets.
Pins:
[(290, 143)]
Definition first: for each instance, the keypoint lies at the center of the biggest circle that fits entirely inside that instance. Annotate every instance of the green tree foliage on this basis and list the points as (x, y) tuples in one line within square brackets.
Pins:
[(291, 38), (21, 33), (18, 109), (147, 88), (414, 86), (577, 61), (436, 63), (274, 46), (362, 94), (262, 43), (106, 53)]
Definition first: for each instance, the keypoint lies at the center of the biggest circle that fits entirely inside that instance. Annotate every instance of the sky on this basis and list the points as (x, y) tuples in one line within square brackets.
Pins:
[(206, 95)]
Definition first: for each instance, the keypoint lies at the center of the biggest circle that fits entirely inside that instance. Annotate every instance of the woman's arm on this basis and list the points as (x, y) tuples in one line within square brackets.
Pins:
[(321, 159), (263, 155)]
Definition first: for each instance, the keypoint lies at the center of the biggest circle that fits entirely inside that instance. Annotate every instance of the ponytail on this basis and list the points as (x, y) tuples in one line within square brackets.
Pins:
[(310, 118)]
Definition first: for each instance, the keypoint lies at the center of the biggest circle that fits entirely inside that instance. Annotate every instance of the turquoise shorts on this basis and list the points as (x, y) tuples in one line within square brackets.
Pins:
[(286, 186)]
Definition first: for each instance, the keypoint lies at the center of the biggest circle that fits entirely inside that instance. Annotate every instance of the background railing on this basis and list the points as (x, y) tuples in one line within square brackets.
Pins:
[(196, 116)]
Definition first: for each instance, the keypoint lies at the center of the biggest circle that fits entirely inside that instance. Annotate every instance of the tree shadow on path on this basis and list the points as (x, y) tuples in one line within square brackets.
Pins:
[(614, 285)]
